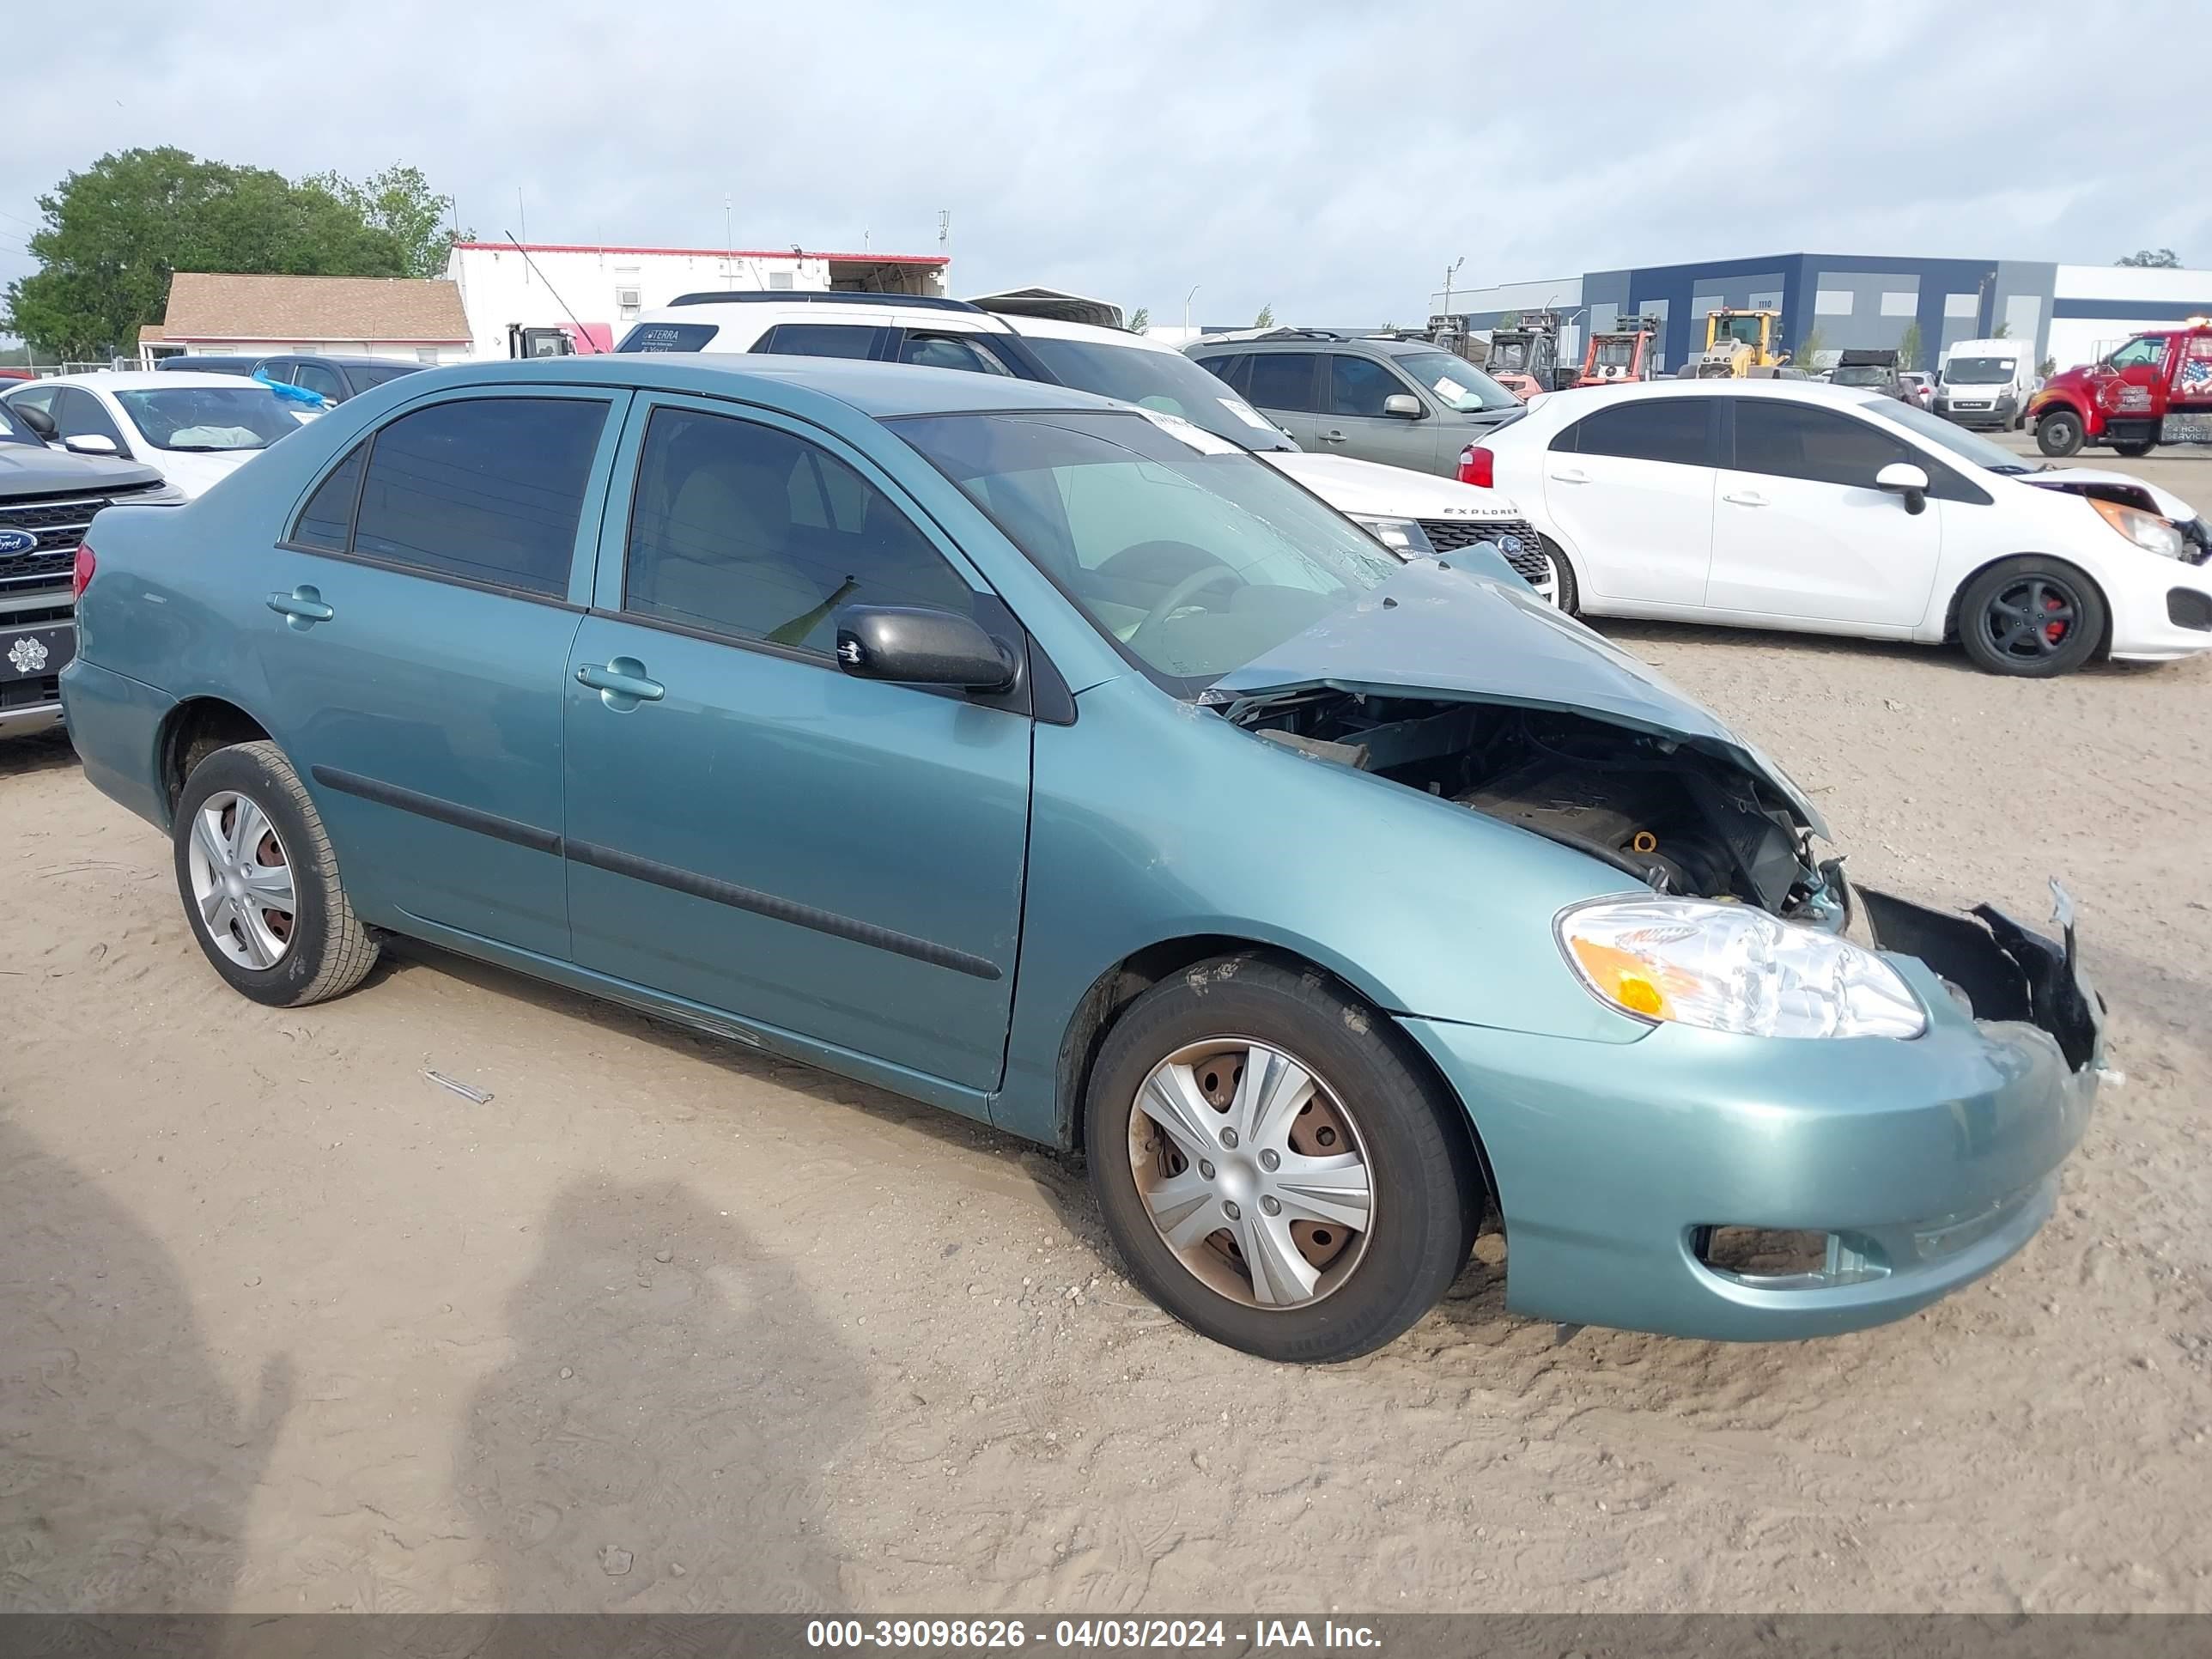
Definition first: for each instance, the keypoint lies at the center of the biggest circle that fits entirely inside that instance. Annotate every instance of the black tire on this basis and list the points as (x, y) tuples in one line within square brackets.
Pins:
[(2059, 433), (2133, 452), (1998, 613), (325, 950), (1411, 1133), (1566, 596)]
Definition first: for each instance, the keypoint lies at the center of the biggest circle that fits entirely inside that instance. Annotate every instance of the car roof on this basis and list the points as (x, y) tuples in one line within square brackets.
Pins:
[(1811, 391), (139, 379), (881, 391)]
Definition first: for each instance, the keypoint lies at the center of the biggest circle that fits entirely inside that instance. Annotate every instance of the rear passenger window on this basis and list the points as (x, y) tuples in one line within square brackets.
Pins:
[(747, 530), (820, 340), (1672, 429), (326, 521), (484, 489), (1283, 380), (668, 337)]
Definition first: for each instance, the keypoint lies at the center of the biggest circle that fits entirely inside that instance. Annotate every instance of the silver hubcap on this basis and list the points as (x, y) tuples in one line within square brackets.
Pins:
[(1252, 1171), (241, 881)]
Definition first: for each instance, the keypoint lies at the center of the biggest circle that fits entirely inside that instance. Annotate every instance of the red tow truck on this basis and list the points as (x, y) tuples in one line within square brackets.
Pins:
[(2155, 389)]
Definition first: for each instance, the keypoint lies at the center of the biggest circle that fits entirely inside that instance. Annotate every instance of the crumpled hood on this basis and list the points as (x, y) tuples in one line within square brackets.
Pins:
[(1457, 637), (2067, 479), (1372, 490)]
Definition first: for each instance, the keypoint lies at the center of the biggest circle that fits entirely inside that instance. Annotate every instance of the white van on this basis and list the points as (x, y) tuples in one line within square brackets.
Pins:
[(1416, 513), (1986, 383)]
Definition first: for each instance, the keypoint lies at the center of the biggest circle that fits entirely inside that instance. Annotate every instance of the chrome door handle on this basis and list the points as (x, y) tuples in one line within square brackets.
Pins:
[(622, 681), (1746, 498), (303, 607), (1334, 438), (1571, 478)]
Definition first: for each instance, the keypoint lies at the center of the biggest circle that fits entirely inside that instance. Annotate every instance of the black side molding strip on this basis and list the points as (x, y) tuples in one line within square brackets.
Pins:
[(445, 811), (616, 862)]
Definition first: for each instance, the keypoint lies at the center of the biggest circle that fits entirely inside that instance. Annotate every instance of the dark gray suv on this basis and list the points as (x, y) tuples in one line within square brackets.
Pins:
[(1404, 403)]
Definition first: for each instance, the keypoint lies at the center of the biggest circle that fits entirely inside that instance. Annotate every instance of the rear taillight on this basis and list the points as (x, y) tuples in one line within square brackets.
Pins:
[(1475, 467), (81, 573)]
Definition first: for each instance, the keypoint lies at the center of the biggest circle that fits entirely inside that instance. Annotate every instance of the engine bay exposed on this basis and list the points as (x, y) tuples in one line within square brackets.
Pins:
[(1671, 817)]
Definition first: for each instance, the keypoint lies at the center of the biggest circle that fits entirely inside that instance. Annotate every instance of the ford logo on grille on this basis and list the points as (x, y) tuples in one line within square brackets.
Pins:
[(17, 541), (1509, 546)]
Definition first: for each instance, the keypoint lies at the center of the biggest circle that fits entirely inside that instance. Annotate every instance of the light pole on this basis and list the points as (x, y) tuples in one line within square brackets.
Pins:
[(1450, 272), (1187, 299)]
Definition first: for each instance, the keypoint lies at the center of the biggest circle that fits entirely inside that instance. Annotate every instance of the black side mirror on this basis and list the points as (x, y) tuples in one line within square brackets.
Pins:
[(913, 645), (38, 420)]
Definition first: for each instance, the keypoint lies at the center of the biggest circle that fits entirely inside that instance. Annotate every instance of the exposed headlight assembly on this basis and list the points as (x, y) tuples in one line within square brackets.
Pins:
[(2145, 529), (1401, 535), (1733, 968)]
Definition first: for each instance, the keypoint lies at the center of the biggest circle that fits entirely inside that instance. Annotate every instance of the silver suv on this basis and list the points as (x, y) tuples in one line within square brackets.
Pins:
[(1404, 403)]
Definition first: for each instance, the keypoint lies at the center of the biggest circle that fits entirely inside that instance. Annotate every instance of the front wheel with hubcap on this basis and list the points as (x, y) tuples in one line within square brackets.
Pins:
[(1274, 1166), (2031, 616), (260, 883)]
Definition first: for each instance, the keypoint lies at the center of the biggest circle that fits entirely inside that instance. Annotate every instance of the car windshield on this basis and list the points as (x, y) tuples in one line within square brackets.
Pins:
[(1860, 375), (1966, 445), (197, 417), (1457, 383), (1192, 557), (1165, 380), (1979, 371)]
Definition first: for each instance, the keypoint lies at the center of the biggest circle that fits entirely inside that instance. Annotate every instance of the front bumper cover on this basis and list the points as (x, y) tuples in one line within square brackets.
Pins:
[(1932, 1160)]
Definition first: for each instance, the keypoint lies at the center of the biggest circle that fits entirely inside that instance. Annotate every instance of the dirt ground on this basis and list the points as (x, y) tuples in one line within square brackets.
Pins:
[(286, 1327)]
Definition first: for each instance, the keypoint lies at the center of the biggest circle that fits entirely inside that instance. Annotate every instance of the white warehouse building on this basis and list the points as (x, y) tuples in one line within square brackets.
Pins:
[(593, 293)]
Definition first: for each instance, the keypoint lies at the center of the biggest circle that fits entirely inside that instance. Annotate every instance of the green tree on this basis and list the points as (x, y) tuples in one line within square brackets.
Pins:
[(1508, 319), (1266, 319), (1908, 346), (2002, 331), (2153, 258), (2047, 368), (114, 234), (1139, 319), (400, 202), (1808, 349)]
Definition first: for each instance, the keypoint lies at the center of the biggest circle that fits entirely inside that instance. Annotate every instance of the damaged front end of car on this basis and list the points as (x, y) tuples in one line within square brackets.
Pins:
[(1693, 813)]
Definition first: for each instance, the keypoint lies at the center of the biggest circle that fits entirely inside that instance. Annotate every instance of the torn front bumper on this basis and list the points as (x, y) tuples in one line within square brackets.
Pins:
[(1924, 1164)]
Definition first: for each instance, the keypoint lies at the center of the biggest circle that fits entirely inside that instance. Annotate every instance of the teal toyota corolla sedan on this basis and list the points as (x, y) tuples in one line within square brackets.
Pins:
[(1058, 763)]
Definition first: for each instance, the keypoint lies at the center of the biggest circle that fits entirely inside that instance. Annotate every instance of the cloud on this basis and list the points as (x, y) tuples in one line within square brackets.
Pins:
[(1330, 161)]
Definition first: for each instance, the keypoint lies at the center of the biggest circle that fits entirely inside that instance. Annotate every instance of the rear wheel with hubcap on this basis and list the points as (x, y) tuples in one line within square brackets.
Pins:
[(1274, 1166), (2031, 616)]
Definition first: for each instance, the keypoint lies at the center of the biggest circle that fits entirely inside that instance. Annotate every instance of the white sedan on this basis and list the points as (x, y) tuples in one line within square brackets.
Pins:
[(1791, 505), (193, 428)]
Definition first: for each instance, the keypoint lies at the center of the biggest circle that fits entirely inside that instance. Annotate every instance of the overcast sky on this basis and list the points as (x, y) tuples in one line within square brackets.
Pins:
[(1329, 160)]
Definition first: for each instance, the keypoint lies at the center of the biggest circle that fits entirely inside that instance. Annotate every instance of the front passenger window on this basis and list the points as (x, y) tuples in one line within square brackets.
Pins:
[(749, 530), (1797, 441)]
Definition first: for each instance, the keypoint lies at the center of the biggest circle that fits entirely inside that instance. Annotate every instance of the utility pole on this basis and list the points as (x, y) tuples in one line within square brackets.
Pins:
[(1187, 299), (1450, 272)]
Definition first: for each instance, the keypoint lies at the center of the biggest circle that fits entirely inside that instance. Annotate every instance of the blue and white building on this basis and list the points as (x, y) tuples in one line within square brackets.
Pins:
[(2073, 313)]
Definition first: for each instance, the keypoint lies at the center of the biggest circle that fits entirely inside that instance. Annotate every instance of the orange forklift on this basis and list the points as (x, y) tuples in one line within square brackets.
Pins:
[(1625, 352)]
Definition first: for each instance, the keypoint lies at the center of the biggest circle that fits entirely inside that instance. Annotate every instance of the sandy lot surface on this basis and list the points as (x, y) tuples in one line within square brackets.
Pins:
[(285, 1326)]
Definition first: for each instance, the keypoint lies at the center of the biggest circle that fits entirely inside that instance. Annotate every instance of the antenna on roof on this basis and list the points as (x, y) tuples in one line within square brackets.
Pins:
[(583, 340)]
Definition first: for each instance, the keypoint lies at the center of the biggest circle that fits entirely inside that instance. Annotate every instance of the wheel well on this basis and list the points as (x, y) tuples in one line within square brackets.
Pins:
[(1113, 990), (1951, 615), (196, 729)]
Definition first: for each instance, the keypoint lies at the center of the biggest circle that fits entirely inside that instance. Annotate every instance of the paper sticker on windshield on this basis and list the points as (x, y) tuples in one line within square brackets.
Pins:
[(1449, 389), (1196, 436), (1244, 412)]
